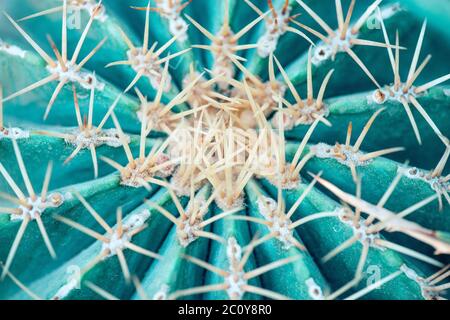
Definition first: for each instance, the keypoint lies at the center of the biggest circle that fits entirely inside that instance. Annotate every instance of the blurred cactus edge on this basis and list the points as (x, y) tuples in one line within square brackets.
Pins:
[(224, 149)]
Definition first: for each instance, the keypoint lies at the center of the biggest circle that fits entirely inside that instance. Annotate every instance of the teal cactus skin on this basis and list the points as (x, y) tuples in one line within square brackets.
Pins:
[(224, 150)]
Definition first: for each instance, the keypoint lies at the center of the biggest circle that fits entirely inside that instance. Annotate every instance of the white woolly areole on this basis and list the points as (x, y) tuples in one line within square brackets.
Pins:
[(221, 48), (288, 181), (425, 287), (89, 6), (360, 230), (170, 11), (66, 289), (68, 196), (133, 176), (280, 224), (117, 242), (109, 137), (178, 27), (12, 50), (235, 280), (223, 203), (162, 294), (187, 228), (325, 51), (438, 184), (13, 133), (35, 208), (137, 220), (314, 291), (325, 151), (274, 29), (267, 207), (390, 93), (305, 115), (390, 10), (234, 250), (87, 80), (141, 63)]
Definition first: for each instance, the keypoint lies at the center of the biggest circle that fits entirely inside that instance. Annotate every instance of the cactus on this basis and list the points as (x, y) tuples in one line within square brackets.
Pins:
[(252, 149)]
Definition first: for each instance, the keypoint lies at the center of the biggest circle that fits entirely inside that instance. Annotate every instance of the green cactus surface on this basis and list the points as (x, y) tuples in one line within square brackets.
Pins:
[(224, 149)]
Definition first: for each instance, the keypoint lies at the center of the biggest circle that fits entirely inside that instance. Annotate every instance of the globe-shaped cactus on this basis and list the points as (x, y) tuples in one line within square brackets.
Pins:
[(232, 149)]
